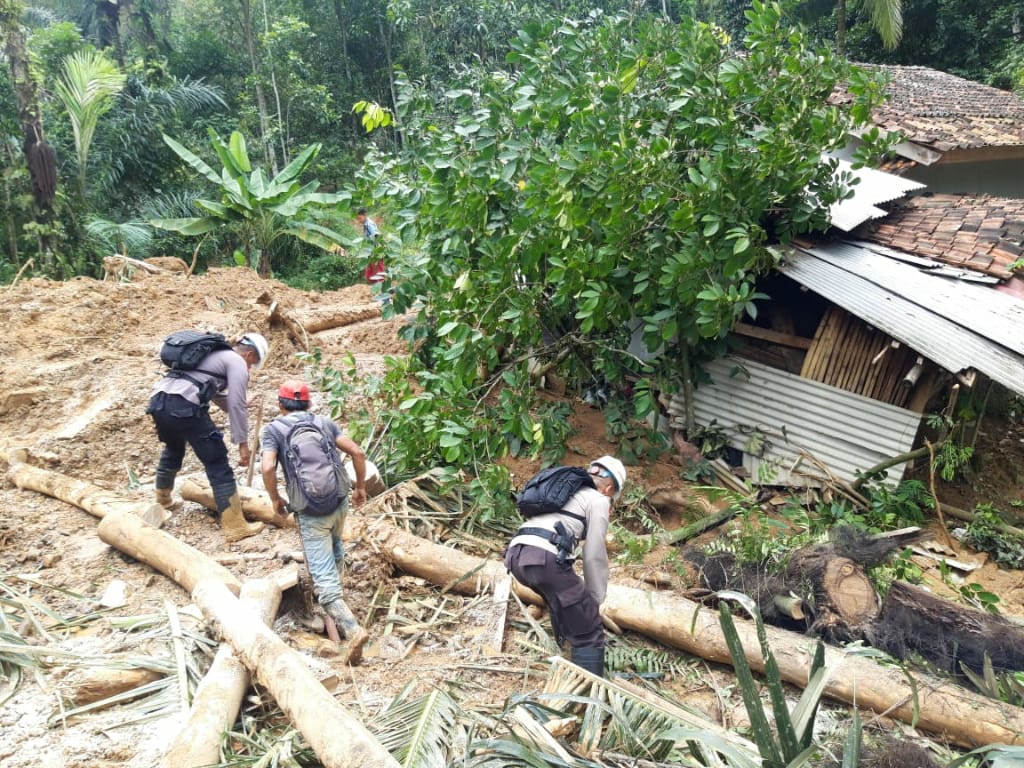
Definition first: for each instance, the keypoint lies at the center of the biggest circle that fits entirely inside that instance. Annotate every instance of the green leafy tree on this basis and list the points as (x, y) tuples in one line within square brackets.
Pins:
[(87, 89), (255, 209), (622, 183)]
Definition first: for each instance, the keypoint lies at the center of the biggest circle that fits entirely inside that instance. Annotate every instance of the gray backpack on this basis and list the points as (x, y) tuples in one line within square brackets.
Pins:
[(312, 464)]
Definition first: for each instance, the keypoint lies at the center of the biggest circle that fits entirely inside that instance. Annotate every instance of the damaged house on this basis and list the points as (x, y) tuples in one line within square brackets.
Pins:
[(910, 304)]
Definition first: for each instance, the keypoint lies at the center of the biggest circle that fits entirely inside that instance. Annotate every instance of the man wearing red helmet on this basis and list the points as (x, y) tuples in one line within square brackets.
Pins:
[(320, 528)]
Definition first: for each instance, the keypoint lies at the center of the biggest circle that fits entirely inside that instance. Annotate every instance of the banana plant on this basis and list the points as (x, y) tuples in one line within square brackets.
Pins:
[(256, 209)]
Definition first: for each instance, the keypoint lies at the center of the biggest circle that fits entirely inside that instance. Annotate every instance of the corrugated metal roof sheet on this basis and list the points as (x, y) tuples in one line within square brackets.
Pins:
[(802, 420), (873, 187), (956, 325)]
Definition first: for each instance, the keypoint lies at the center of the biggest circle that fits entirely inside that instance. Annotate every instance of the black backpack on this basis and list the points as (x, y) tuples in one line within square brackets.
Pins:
[(550, 490), (312, 464), (184, 350)]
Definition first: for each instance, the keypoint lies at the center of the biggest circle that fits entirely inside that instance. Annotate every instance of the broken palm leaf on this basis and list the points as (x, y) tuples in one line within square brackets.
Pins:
[(505, 753), (262, 747), (851, 748), (763, 735), (991, 756), (623, 656), (630, 710), (13, 662), (419, 732)]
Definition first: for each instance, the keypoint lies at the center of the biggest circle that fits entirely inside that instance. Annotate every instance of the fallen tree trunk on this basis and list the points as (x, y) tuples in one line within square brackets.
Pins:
[(925, 702), (90, 498), (947, 634), (255, 503), (338, 738), (219, 696), (170, 556), (845, 601), (322, 319), (302, 324), (122, 527)]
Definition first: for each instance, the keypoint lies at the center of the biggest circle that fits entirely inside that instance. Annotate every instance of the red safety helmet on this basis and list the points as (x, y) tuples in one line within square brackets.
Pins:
[(294, 389)]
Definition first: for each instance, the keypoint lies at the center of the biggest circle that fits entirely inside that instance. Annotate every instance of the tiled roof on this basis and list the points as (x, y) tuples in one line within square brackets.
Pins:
[(946, 112), (984, 234)]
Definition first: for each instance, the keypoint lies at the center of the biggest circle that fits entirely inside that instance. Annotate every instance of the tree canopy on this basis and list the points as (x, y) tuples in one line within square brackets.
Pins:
[(614, 192)]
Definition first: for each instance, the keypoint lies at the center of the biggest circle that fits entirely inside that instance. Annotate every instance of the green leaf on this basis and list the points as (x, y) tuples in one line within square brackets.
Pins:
[(197, 226), (239, 156), (194, 161)]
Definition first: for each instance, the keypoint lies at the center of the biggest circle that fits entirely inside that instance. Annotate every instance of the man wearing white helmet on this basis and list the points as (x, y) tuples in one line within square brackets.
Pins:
[(540, 556), (180, 408)]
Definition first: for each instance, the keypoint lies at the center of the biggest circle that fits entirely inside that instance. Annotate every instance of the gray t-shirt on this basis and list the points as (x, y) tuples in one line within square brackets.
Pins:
[(273, 440)]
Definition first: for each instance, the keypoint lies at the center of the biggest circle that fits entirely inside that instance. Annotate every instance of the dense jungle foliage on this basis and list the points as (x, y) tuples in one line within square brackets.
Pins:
[(562, 188), (88, 89)]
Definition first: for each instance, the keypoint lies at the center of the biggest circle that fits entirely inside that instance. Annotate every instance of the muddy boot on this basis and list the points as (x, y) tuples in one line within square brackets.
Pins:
[(234, 524), (355, 636), (163, 498)]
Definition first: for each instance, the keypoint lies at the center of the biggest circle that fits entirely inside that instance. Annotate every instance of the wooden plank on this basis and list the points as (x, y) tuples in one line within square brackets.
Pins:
[(776, 337), (826, 344), (494, 640), (811, 359), (839, 350)]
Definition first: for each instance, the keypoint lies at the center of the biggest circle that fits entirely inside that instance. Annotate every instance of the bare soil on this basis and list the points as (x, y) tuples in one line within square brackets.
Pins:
[(77, 365)]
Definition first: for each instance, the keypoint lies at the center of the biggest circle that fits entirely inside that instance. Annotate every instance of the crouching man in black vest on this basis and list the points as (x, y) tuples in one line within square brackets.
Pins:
[(542, 553)]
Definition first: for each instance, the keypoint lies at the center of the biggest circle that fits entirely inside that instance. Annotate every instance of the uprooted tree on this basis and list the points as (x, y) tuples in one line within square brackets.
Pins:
[(624, 177)]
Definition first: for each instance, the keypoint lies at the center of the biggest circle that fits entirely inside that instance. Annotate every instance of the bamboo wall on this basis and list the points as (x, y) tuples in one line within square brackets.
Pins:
[(849, 354)]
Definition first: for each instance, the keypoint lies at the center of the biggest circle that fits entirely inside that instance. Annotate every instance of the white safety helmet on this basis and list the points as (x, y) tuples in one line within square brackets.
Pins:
[(260, 344), (617, 470)]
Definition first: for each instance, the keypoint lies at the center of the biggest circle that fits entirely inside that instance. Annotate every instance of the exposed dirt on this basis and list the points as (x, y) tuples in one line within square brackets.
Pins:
[(76, 368)]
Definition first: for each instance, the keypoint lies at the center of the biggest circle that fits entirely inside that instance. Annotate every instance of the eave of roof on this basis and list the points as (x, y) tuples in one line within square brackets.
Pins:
[(957, 325), (983, 234), (944, 112)]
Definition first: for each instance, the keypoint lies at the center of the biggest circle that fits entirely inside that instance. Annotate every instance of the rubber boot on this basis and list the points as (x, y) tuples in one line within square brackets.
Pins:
[(234, 524), (590, 659), (348, 625), (163, 498)]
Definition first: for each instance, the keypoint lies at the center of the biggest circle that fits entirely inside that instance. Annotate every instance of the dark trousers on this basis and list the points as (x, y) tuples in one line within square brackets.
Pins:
[(180, 423), (575, 615)]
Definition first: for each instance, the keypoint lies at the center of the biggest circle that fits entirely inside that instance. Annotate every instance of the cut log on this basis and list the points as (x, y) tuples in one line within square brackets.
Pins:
[(338, 738), (122, 526), (914, 620), (92, 685), (160, 550), (845, 601), (928, 703), (322, 319), (219, 696), (90, 498), (256, 503)]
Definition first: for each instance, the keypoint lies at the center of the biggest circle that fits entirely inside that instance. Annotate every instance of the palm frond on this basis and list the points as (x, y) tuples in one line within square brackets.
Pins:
[(616, 716), (419, 732), (134, 237), (887, 19), (87, 87)]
